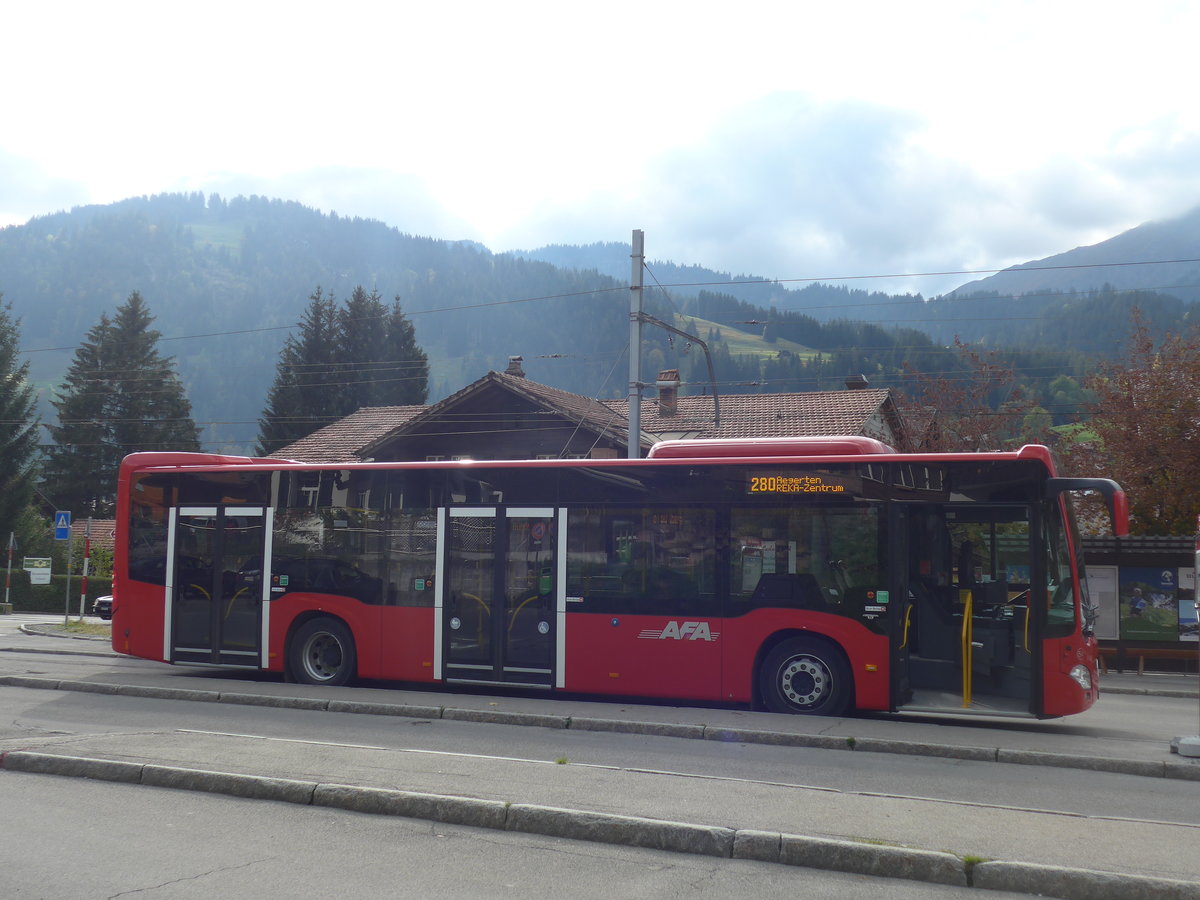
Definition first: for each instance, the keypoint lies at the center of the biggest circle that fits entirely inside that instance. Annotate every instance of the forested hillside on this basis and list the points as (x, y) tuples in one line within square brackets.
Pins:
[(1077, 300), (227, 280)]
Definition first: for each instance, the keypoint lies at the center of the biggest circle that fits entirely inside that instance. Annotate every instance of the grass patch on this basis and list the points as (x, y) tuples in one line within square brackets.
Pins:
[(77, 627), (743, 343), (875, 842)]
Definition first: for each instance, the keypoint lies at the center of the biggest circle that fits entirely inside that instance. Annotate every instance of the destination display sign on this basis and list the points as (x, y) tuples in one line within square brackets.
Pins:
[(794, 483)]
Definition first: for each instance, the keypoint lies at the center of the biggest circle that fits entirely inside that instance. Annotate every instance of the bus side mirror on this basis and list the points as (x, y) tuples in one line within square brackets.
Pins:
[(1114, 498)]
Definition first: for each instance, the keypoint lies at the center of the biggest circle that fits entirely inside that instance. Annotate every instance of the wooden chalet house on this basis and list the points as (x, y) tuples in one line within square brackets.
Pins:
[(504, 415)]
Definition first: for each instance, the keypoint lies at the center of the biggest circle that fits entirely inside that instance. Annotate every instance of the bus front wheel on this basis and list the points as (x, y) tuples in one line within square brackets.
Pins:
[(322, 652), (802, 675)]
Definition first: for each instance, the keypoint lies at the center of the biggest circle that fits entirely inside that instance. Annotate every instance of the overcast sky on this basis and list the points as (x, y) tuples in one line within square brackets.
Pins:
[(789, 140)]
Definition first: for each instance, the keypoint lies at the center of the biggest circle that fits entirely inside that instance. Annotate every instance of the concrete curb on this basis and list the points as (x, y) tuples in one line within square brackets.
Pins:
[(1078, 884), (1170, 769), (876, 860)]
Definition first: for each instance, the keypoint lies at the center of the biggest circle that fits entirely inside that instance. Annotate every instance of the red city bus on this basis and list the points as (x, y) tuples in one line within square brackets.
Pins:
[(798, 575)]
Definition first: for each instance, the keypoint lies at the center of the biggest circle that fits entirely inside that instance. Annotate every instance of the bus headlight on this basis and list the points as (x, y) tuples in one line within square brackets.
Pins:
[(1082, 676)]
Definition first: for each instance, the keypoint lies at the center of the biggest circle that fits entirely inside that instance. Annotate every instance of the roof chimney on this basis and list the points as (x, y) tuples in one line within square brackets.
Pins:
[(857, 382), (668, 392), (514, 366)]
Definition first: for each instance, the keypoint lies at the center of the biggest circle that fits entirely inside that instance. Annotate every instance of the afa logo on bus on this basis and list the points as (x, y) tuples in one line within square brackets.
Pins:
[(681, 631)]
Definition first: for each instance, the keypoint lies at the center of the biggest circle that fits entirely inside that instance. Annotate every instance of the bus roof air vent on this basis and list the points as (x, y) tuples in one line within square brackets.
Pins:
[(835, 445)]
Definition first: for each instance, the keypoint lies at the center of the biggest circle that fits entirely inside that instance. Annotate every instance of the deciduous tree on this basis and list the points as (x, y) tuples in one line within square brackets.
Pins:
[(1145, 427), (976, 405)]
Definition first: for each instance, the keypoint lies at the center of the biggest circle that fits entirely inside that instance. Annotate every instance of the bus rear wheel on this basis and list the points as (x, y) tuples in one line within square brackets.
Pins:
[(322, 652), (805, 676)]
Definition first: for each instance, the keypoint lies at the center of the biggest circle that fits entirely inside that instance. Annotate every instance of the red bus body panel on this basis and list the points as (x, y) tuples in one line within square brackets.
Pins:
[(708, 659), (689, 658)]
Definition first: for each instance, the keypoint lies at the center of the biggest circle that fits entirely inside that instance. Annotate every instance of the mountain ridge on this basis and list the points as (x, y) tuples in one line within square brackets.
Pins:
[(227, 280)]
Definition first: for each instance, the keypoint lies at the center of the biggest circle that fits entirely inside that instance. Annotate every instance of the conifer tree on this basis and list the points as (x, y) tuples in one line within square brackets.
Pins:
[(308, 391), (407, 381), (18, 431), (119, 396), (341, 361), (362, 353)]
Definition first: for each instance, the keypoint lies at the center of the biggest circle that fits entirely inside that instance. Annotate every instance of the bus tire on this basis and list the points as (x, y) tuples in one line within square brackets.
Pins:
[(806, 676), (322, 652)]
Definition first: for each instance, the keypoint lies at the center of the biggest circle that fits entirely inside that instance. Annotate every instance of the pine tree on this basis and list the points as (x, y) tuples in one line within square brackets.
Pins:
[(363, 344), (150, 410), (18, 430), (408, 381), (308, 391), (119, 396), (381, 363), (342, 360), (80, 450)]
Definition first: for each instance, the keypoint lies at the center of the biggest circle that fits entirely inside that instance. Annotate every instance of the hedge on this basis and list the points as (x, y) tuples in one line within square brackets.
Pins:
[(50, 598)]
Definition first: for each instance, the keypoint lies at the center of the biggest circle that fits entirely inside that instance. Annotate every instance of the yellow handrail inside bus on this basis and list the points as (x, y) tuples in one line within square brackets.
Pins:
[(233, 600), (907, 622), (521, 606), (487, 609), (967, 649)]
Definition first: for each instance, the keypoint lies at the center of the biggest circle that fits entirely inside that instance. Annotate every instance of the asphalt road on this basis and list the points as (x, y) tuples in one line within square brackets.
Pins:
[(81, 840), (912, 795)]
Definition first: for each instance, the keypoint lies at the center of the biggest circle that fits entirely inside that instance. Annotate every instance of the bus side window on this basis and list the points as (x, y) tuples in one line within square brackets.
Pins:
[(646, 561)]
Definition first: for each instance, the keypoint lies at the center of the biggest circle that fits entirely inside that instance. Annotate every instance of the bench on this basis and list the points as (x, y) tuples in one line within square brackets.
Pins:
[(1121, 654)]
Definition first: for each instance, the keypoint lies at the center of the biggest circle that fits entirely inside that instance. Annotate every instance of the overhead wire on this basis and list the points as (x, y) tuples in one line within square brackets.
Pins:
[(325, 368)]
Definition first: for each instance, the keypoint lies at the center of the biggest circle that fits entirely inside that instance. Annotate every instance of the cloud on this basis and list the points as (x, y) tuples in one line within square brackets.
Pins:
[(786, 186), (398, 199), (27, 189), (790, 187)]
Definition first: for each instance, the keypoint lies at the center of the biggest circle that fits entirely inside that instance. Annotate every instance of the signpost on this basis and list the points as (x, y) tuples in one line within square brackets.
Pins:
[(87, 560), (38, 568), (62, 532), (6, 606)]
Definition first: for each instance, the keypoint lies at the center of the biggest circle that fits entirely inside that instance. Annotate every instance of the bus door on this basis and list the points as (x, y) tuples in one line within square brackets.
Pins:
[(500, 596), (902, 608), (217, 611), (969, 639)]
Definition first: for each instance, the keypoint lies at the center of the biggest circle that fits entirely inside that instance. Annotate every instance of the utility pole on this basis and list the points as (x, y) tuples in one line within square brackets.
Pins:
[(638, 258)]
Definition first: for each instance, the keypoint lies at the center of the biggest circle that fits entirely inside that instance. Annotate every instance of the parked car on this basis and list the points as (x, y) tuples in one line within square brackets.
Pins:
[(102, 606)]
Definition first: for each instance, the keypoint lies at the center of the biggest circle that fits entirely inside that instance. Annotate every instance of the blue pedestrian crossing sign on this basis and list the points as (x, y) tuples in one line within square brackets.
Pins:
[(62, 525)]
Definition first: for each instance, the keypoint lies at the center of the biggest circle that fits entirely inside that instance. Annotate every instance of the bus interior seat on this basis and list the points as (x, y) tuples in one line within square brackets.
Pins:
[(799, 590)]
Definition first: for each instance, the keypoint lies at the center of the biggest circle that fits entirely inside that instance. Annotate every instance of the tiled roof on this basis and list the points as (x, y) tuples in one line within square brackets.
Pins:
[(869, 412), (605, 416), (342, 440), (101, 532), (808, 414)]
